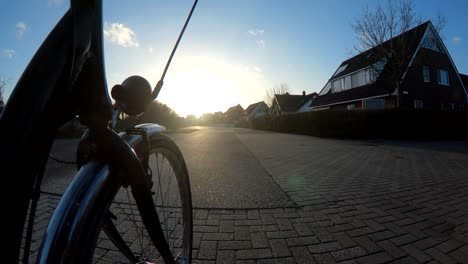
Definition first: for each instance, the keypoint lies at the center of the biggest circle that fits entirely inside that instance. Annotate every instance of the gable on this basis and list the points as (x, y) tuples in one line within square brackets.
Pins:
[(431, 40)]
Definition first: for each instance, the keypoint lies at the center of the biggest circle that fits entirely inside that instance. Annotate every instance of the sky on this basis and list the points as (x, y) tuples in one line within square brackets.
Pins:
[(232, 51)]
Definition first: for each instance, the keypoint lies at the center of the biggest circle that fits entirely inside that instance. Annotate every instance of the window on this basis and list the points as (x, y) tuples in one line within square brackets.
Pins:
[(326, 89), (374, 104), (351, 106), (431, 41), (336, 86), (443, 77), (356, 79), (418, 104), (426, 74), (347, 82), (340, 69)]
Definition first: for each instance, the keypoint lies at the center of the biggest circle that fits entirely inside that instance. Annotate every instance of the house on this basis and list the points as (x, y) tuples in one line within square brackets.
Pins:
[(427, 78), (256, 110), (234, 113), (464, 79), (284, 104)]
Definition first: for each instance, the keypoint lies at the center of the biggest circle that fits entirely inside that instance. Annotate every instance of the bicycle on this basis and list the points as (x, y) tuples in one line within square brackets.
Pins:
[(66, 78)]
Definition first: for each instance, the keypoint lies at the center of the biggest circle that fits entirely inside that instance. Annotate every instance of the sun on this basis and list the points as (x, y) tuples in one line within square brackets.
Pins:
[(200, 91)]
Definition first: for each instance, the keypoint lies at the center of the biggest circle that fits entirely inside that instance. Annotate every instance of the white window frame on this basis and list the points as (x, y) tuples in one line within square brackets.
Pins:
[(375, 100), (426, 74), (418, 104), (444, 81)]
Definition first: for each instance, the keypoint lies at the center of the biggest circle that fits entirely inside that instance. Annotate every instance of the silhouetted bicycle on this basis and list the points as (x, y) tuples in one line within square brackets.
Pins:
[(132, 186)]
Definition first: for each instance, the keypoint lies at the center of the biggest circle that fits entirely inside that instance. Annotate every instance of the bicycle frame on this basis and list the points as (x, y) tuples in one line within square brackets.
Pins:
[(53, 89)]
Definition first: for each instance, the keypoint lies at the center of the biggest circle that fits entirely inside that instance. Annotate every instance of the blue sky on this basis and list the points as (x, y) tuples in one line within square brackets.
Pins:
[(232, 50)]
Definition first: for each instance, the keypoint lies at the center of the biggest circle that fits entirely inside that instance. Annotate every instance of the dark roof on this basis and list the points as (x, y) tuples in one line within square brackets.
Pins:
[(235, 108), (412, 38), (464, 79), (291, 103), (369, 90), (371, 56), (252, 107)]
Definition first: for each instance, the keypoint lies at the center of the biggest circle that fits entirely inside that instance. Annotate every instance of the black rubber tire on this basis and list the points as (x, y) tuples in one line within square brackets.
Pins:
[(162, 148)]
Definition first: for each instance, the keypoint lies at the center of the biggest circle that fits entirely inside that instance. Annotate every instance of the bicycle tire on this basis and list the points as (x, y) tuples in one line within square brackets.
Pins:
[(94, 246)]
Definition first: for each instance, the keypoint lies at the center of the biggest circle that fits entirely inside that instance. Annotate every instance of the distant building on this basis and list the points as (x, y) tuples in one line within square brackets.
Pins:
[(256, 110), (284, 104), (430, 78), (234, 114)]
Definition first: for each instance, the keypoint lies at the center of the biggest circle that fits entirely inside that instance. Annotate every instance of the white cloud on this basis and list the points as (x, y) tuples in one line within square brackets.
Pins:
[(20, 29), (261, 43), (121, 35), (256, 32), (9, 53), (257, 69), (150, 50), (55, 2), (456, 40)]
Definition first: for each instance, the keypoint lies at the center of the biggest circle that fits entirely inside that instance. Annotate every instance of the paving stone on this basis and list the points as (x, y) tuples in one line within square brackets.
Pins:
[(218, 236), (325, 247), (302, 255), (235, 245), (348, 254), (391, 249), (226, 257), (415, 253), (281, 234), (226, 226), (302, 241), (253, 253), (324, 258), (368, 245), (242, 233), (207, 250), (440, 256), (449, 246), (376, 258), (259, 240), (279, 248)]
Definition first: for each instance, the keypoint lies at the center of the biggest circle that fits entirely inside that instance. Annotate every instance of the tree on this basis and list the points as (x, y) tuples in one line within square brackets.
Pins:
[(3, 84), (281, 88), (191, 120), (375, 27)]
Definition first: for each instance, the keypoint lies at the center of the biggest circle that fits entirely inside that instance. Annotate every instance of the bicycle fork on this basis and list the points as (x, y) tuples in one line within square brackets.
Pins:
[(123, 156)]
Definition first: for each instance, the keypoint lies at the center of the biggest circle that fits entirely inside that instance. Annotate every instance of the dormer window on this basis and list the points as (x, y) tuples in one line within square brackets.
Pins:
[(340, 69)]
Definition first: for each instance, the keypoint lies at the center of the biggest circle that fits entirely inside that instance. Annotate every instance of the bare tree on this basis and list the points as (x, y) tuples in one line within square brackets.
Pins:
[(3, 83), (375, 27), (281, 88)]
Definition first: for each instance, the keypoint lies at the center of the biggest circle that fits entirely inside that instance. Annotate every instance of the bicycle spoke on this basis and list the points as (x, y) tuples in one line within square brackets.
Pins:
[(140, 238)]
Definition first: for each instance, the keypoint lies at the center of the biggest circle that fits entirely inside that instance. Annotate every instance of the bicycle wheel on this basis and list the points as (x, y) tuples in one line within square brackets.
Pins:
[(97, 219), (172, 197)]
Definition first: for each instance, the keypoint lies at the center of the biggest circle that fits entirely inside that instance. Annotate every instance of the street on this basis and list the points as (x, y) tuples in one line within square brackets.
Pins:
[(262, 196)]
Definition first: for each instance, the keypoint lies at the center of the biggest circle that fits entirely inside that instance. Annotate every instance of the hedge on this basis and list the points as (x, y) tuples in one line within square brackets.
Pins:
[(387, 124)]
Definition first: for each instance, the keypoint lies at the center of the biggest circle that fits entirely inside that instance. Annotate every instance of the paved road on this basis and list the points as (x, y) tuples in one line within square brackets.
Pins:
[(223, 171), (278, 198)]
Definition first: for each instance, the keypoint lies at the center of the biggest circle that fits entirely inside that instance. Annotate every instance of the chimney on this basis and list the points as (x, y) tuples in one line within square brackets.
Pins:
[(303, 93)]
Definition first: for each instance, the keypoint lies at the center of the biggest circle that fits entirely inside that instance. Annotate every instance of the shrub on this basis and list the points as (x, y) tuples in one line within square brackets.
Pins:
[(389, 124)]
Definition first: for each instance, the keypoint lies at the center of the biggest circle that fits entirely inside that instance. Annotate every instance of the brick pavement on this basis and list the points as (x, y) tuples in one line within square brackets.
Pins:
[(358, 202)]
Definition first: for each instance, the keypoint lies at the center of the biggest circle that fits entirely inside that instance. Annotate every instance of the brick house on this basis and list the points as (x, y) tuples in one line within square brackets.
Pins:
[(429, 78)]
